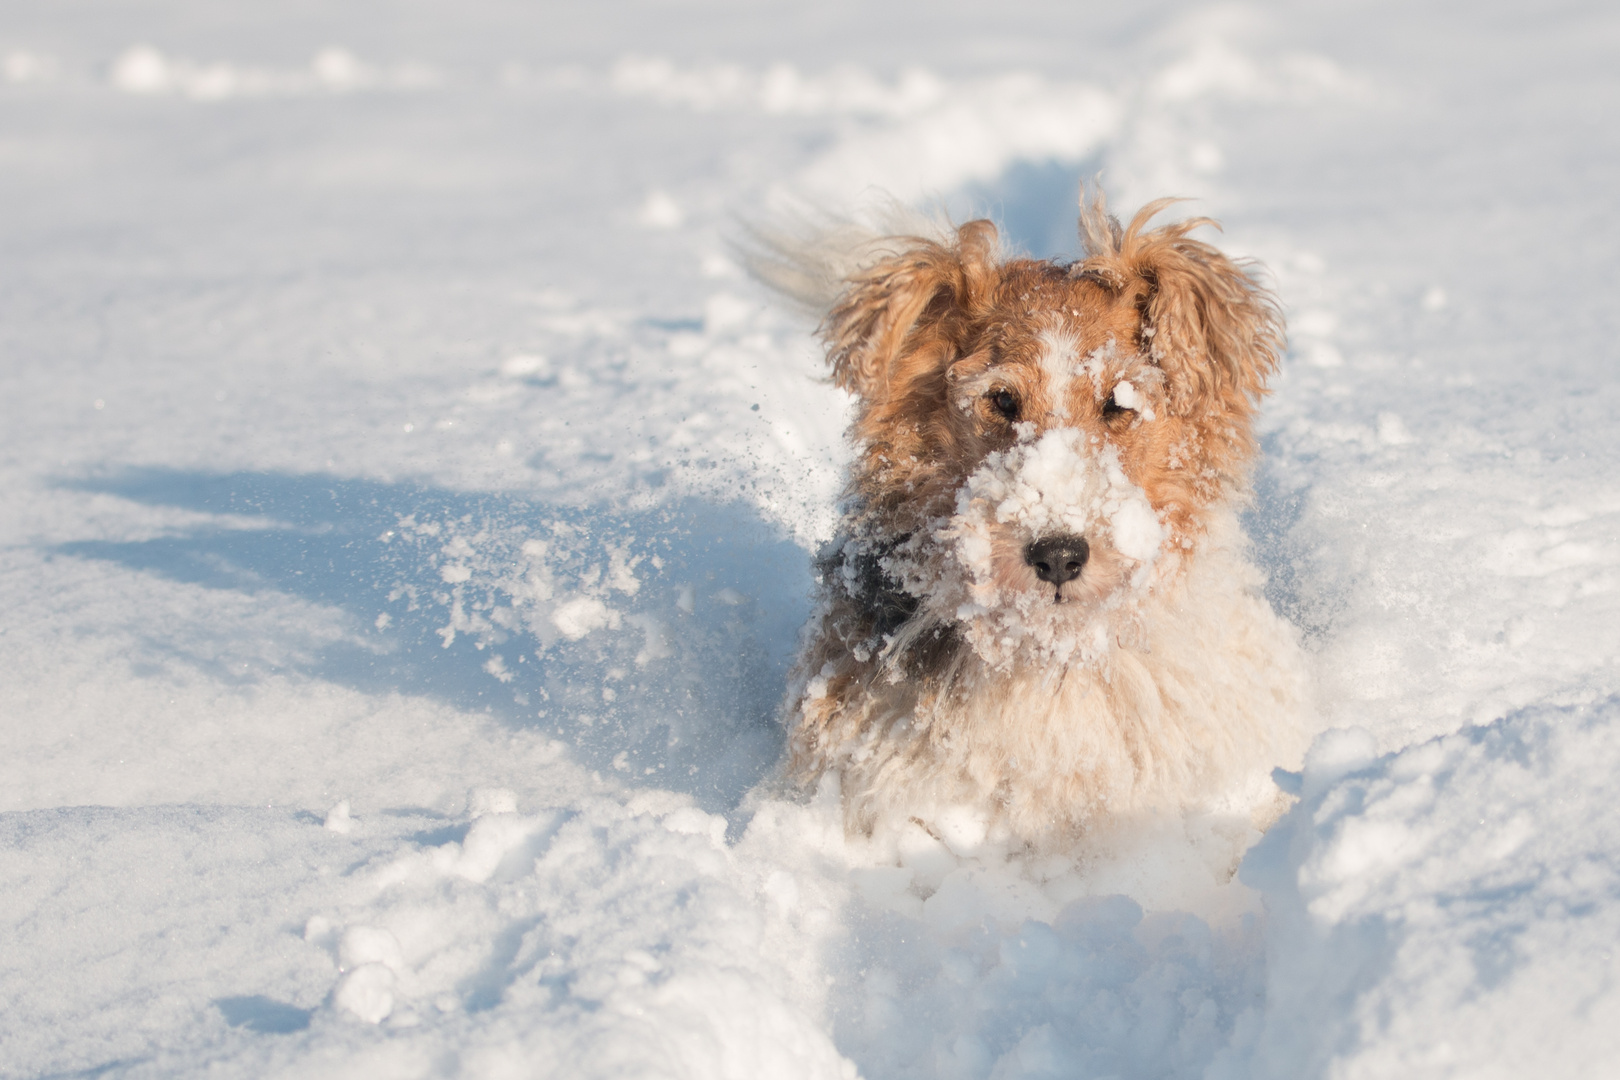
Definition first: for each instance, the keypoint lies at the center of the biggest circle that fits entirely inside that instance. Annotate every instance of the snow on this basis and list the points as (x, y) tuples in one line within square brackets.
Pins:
[(1046, 483), (1127, 396), (409, 506), (1421, 900)]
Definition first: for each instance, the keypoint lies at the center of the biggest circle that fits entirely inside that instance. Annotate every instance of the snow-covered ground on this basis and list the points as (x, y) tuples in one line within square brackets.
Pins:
[(408, 505)]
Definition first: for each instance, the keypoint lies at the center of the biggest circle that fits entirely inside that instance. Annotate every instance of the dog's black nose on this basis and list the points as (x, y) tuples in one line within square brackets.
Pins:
[(1058, 558)]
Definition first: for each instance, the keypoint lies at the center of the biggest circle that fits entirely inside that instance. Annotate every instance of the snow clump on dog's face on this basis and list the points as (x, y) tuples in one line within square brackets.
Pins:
[(1061, 483)]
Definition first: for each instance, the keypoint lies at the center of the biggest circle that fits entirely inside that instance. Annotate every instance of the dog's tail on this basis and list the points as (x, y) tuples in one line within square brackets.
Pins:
[(807, 255)]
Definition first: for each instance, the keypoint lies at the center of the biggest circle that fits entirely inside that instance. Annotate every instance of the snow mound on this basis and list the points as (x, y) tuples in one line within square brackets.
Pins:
[(1430, 908)]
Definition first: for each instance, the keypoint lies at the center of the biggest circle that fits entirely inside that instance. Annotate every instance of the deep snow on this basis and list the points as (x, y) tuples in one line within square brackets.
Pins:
[(409, 505)]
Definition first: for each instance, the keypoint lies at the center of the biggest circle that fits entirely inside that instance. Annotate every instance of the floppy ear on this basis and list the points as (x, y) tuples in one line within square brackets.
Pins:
[(1206, 320), (896, 318)]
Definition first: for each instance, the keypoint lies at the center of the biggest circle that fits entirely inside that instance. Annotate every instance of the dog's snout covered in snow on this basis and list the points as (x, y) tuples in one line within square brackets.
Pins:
[(1039, 605)]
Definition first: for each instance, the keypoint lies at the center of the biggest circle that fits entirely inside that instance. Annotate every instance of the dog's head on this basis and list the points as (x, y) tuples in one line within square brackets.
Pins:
[(1040, 444)]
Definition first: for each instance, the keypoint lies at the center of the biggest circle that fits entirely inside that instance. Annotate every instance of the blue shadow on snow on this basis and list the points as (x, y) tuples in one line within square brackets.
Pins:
[(676, 683), (262, 1014), (1035, 205)]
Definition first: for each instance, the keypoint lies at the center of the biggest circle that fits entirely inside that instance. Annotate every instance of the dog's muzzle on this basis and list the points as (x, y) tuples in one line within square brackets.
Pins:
[(1057, 559)]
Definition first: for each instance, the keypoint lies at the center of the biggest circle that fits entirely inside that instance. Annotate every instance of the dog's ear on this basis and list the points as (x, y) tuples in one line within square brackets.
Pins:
[(899, 318), (1213, 328)]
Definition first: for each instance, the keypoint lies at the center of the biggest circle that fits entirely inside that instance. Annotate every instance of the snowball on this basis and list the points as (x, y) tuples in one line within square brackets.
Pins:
[(1127, 397), (366, 992), (338, 819), (1137, 530), (362, 945), (490, 841)]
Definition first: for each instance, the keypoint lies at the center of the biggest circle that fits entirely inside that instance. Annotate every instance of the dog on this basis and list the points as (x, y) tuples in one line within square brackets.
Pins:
[(1039, 606)]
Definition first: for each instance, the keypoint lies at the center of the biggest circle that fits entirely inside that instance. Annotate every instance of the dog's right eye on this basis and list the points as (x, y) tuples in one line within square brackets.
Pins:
[(1005, 402)]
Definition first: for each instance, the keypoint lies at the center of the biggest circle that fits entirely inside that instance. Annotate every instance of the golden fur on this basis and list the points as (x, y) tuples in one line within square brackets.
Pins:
[(999, 401)]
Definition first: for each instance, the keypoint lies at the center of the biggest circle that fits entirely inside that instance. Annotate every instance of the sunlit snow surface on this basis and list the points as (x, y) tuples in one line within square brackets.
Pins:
[(408, 508)]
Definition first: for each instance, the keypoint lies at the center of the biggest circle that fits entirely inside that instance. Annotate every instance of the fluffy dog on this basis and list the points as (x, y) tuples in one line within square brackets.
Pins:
[(1039, 605)]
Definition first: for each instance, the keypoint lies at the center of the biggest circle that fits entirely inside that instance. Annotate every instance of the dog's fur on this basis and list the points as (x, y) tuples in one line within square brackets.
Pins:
[(1000, 401)]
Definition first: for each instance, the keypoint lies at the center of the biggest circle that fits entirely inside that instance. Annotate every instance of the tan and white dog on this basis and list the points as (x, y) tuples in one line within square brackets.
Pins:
[(1039, 605)]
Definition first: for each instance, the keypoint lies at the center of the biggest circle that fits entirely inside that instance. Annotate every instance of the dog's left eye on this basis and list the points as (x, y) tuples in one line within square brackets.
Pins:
[(1123, 401), (1005, 402)]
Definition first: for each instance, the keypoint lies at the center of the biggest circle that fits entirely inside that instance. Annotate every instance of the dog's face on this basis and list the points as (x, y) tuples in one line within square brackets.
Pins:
[(1040, 444)]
